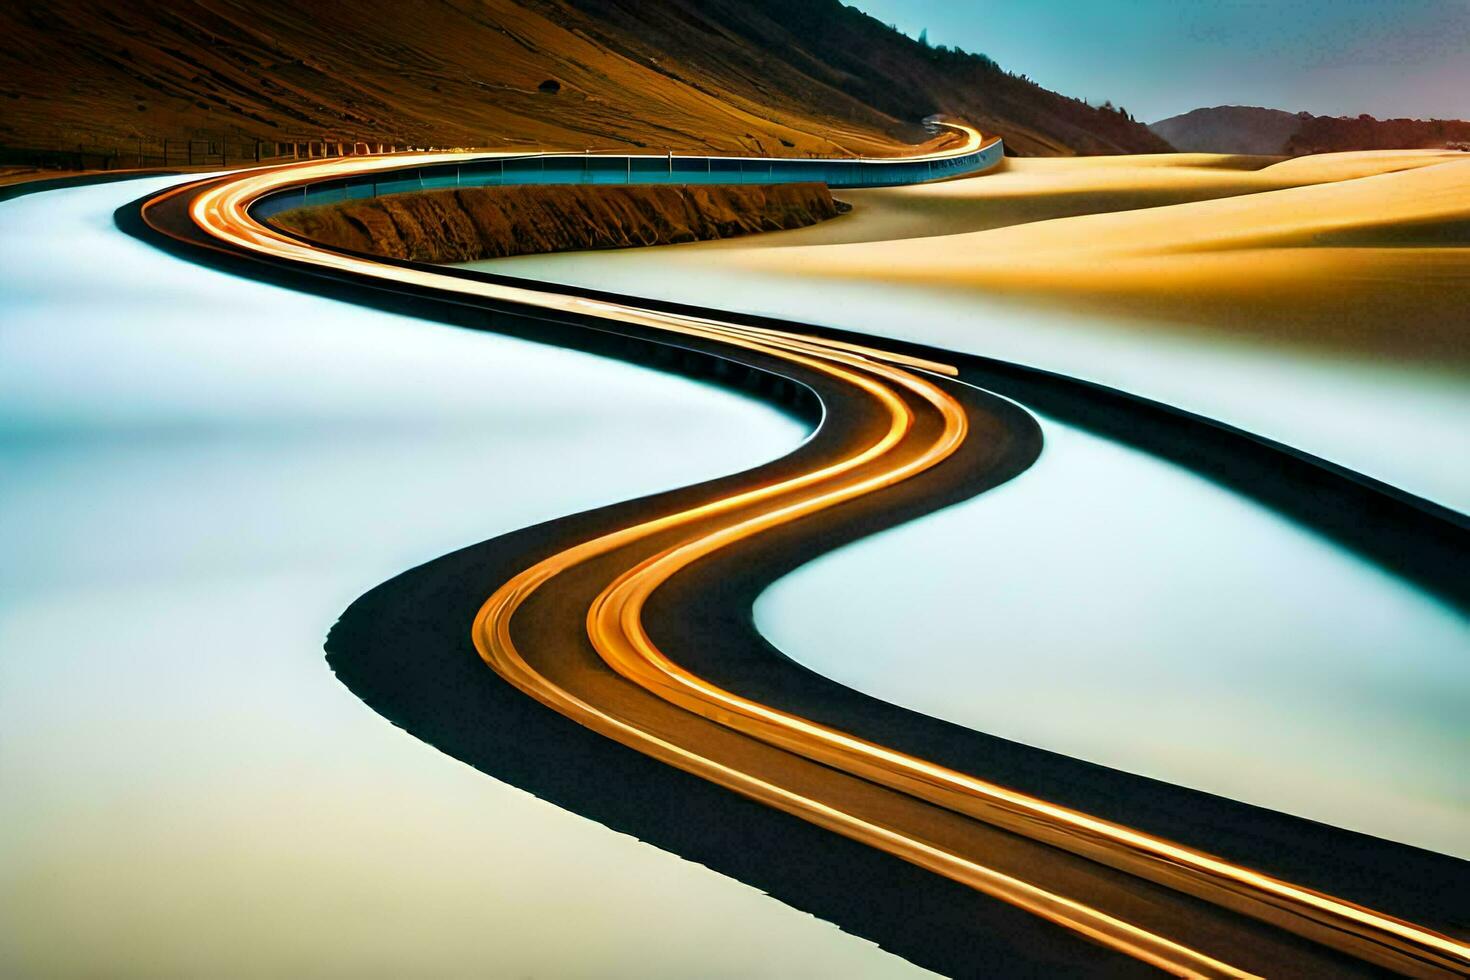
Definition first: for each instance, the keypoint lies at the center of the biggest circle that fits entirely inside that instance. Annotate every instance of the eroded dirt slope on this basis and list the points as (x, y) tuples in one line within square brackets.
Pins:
[(490, 222)]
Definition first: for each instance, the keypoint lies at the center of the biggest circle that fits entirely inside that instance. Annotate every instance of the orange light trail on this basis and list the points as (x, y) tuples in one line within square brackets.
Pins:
[(614, 621)]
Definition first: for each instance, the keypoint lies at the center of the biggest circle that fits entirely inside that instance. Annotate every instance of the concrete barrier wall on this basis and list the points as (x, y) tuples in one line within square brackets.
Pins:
[(578, 168)]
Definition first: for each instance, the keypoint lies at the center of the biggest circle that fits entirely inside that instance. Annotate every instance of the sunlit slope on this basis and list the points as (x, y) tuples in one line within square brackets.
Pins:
[(1362, 253), (752, 76), (1318, 301), (456, 74)]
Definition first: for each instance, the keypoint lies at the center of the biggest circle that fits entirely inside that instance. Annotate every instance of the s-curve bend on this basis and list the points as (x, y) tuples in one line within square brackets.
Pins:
[(595, 621)]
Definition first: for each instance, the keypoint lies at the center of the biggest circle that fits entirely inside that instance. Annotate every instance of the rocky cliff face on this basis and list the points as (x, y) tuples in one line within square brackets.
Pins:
[(490, 222)]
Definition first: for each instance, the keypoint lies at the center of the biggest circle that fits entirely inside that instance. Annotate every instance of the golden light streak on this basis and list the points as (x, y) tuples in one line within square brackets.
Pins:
[(615, 625), (493, 639)]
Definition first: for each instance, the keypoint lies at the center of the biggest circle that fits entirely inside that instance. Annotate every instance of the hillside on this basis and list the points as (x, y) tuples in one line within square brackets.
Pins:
[(729, 75), (471, 223), (1230, 129), (1272, 132), (824, 57), (1326, 134)]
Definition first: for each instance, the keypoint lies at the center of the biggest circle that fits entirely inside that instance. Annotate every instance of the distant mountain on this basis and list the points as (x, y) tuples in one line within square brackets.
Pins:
[(754, 76), (1272, 132), (1230, 129), (1325, 134)]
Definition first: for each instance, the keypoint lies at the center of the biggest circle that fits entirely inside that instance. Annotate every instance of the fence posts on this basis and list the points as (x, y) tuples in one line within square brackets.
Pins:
[(138, 151)]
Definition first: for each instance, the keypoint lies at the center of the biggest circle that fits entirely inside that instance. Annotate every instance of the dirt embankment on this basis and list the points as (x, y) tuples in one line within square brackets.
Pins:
[(471, 223)]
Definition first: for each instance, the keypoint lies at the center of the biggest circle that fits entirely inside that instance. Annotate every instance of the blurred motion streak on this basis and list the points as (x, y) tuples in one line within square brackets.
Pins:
[(907, 392)]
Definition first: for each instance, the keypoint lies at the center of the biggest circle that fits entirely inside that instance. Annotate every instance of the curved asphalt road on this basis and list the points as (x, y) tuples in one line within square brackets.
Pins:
[(601, 628)]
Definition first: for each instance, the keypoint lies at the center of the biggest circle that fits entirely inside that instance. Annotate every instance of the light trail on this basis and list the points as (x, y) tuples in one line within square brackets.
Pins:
[(493, 638), (614, 621)]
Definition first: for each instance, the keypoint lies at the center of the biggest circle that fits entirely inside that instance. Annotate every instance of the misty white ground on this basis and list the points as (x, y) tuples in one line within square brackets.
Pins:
[(1054, 263), (1105, 604), (199, 474)]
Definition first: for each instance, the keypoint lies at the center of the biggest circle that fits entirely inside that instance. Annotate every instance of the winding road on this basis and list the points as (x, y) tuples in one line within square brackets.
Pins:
[(634, 622)]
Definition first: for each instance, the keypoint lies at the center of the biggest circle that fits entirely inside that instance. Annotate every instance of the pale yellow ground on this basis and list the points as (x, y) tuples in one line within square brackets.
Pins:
[(1360, 253)]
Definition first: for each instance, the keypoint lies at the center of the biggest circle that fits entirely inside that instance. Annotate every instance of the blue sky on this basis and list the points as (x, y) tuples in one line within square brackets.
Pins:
[(1159, 58)]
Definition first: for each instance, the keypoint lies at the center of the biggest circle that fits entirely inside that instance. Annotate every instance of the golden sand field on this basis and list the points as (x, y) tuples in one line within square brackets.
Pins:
[(1354, 252)]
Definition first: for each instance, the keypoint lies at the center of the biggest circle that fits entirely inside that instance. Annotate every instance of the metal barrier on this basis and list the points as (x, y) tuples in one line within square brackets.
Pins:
[(163, 152), (579, 168)]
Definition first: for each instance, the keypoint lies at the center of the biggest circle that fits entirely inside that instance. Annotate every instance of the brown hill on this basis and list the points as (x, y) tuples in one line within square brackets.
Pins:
[(470, 223), (1230, 129), (731, 75), (1273, 132), (1327, 134)]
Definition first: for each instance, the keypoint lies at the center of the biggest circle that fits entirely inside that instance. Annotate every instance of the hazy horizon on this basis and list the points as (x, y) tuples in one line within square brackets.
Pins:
[(1158, 58)]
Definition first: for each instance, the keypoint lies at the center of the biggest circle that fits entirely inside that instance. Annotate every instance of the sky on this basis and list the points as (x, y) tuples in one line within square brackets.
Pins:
[(1159, 58)]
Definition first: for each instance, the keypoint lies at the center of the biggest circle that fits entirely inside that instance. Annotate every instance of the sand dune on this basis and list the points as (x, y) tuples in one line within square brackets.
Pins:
[(1354, 252), (1039, 189), (1319, 302)]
